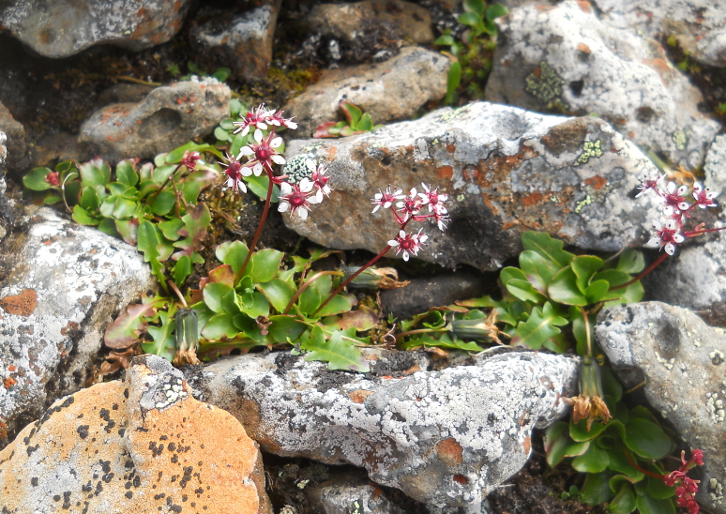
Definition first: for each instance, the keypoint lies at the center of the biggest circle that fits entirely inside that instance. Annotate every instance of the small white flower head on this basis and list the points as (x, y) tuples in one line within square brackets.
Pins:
[(649, 182), (704, 197), (666, 236), (675, 199), (319, 180), (434, 200), (386, 198), (257, 117), (277, 120), (297, 198), (408, 244), (235, 172), (263, 153), (411, 204)]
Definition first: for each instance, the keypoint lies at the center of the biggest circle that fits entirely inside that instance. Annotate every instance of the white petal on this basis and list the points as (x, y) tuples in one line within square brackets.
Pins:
[(245, 131), (678, 238), (257, 170), (311, 167), (258, 135), (424, 237), (682, 190), (670, 224), (657, 226), (291, 124), (393, 242), (285, 189), (241, 185), (245, 151), (668, 210), (671, 187), (375, 208), (276, 142), (402, 234), (278, 159), (405, 255), (317, 198), (262, 125), (284, 206), (670, 248), (654, 242), (246, 172), (303, 213), (306, 185), (684, 206)]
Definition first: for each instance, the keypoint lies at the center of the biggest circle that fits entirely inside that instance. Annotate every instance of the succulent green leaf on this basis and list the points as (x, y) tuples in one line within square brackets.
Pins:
[(126, 174), (222, 134), (163, 203), (182, 269), (170, 228), (196, 222), (646, 504), (337, 352), (128, 229), (176, 155), (474, 6), (149, 242), (197, 180), (162, 172), (620, 463), (264, 265), (548, 247), (520, 287), (249, 327), (365, 124), (213, 293), (557, 343), (285, 328), (236, 108), (51, 199), (453, 79), (446, 39), (254, 304), (631, 261), (222, 74), (237, 143), (631, 294), (495, 11), (470, 19), (108, 226), (658, 490), (352, 113), (72, 191), (594, 460), (559, 445), (339, 303), (278, 293), (89, 198), (596, 489), (164, 342), (538, 270), (80, 215), (624, 500), (541, 325), (127, 327), (647, 439), (220, 326), (585, 266), (95, 172), (563, 288), (579, 431), (258, 185), (596, 291), (234, 254), (610, 384), (35, 179)]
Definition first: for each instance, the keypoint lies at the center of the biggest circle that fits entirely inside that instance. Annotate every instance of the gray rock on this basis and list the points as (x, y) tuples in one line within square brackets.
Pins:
[(347, 492), (682, 361), (67, 283), (349, 22), (699, 25), (61, 28), (241, 42), (388, 91), (446, 438), (168, 117), (714, 167), (3, 152), (567, 60), (17, 152), (505, 171)]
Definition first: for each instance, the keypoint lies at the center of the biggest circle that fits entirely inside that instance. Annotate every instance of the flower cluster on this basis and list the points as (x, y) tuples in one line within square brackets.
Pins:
[(686, 487), (676, 209), (263, 152), (406, 208)]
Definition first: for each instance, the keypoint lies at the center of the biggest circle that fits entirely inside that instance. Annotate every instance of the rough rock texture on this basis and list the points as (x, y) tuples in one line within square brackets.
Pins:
[(388, 91), (60, 28), (699, 25), (694, 278), (567, 60), (168, 117), (714, 167), (506, 170), (241, 42), (67, 283), (136, 447), (445, 438), (683, 363), (345, 493), (17, 159), (350, 21)]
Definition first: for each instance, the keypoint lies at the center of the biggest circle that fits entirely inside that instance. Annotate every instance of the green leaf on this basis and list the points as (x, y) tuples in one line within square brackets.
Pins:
[(233, 253), (90, 199), (278, 293), (538, 270), (658, 490), (82, 217), (339, 303), (452, 82), (164, 342), (470, 18), (596, 489), (519, 285), (624, 500), (541, 325), (366, 123), (254, 305), (495, 11), (197, 180), (547, 247), (264, 265), (163, 203), (196, 222), (475, 6), (222, 134), (559, 445), (213, 293), (127, 327), (35, 179), (579, 431), (162, 172), (285, 328), (148, 242), (126, 174), (579, 330), (170, 229), (108, 226), (596, 291), (95, 172), (631, 261), (563, 288), (128, 230), (182, 270), (352, 113), (446, 39), (585, 267), (220, 326), (647, 439), (337, 352), (594, 460), (646, 504), (222, 74)]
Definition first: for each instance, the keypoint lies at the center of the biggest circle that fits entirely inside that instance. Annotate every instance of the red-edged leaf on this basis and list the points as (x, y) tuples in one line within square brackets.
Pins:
[(125, 331)]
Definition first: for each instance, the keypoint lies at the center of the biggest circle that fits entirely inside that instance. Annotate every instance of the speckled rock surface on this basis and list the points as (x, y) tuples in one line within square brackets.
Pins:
[(506, 170), (446, 438), (242, 42), (699, 25), (67, 283), (347, 492), (136, 447), (714, 167), (388, 91), (350, 21), (566, 60), (682, 361), (169, 116), (16, 158), (60, 28)]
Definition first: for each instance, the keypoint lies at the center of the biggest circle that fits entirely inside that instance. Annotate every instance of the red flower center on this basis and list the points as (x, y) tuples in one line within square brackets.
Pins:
[(263, 153), (297, 199)]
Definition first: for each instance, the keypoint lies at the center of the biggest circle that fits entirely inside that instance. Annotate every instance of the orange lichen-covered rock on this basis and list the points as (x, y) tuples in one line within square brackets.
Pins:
[(136, 447)]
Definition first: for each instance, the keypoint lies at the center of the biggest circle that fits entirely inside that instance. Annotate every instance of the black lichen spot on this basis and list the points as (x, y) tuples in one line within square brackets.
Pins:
[(159, 496), (175, 459), (127, 485), (107, 477), (129, 495), (156, 450), (137, 481), (114, 406), (31, 449), (34, 481), (105, 465), (82, 431), (164, 438), (184, 497), (576, 87), (126, 393), (121, 431), (67, 500), (172, 447), (56, 497), (87, 487)]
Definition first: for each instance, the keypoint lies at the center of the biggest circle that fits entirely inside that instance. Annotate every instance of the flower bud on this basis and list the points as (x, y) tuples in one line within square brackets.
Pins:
[(374, 278), (473, 329), (187, 337)]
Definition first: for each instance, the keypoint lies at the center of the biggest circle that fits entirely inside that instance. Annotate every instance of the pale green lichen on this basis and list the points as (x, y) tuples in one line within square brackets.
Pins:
[(312, 147), (544, 84), (460, 198), (454, 114), (297, 169), (581, 205), (589, 149), (680, 138)]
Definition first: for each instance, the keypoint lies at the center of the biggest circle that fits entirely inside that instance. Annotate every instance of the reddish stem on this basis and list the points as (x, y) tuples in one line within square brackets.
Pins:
[(650, 268), (350, 278), (263, 219), (305, 286), (645, 471)]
